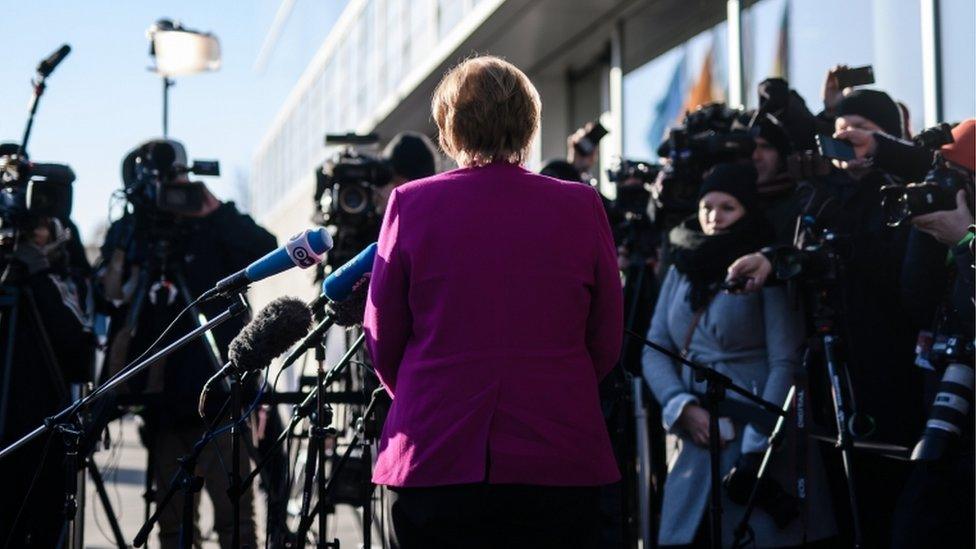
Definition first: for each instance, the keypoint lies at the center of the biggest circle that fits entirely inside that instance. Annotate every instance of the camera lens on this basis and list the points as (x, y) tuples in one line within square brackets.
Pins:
[(353, 199), (947, 418)]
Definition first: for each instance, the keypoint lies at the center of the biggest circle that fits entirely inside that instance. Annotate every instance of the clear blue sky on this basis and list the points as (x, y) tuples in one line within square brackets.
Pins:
[(102, 101)]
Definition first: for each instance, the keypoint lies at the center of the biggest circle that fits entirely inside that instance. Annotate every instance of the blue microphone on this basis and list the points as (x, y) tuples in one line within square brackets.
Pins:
[(345, 291), (338, 285), (303, 250)]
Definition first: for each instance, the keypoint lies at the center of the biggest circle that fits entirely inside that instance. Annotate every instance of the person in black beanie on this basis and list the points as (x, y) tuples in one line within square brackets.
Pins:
[(775, 184), (411, 155), (561, 169), (873, 108), (872, 321)]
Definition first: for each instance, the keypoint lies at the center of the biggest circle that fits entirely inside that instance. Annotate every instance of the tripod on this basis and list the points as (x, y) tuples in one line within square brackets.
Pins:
[(18, 303), (844, 413), (715, 389), (649, 451)]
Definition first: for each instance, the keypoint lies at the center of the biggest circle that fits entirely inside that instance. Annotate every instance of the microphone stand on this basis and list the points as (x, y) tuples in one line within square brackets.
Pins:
[(188, 481), (234, 489), (237, 307), (716, 386), (314, 401), (326, 491), (302, 411)]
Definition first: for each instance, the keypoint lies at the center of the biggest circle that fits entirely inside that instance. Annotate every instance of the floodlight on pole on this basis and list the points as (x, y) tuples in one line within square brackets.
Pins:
[(178, 51)]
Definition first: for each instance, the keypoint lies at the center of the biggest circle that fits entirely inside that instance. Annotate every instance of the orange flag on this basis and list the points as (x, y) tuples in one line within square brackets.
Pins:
[(701, 92)]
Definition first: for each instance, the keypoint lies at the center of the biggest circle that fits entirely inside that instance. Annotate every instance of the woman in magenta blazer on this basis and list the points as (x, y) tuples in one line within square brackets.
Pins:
[(494, 310)]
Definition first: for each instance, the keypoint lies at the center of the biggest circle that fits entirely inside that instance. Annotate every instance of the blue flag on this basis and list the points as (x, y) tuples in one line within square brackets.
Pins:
[(669, 107)]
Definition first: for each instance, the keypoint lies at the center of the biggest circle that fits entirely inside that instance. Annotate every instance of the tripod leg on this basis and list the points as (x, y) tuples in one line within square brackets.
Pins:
[(645, 501), (367, 501), (310, 459), (99, 483), (844, 442), (148, 495), (9, 297)]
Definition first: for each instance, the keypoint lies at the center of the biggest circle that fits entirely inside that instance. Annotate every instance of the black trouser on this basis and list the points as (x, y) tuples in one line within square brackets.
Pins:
[(496, 515), (936, 509)]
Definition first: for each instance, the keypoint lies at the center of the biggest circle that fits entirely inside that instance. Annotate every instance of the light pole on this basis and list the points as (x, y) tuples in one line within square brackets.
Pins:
[(178, 51)]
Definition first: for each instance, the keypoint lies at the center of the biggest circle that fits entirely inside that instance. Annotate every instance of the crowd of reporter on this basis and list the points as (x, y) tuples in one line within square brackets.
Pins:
[(760, 246), (744, 248)]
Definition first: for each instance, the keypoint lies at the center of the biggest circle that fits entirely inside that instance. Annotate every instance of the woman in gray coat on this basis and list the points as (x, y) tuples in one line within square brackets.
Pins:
[(755, 339)]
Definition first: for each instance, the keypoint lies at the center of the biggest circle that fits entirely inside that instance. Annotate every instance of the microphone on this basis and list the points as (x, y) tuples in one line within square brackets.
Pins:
[(303, 250), (46, 67), (272, 332), (346, 290), (269, 334), (338, 285)]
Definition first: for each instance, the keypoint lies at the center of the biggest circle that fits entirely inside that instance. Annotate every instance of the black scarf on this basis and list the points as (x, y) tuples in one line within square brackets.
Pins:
[(704, 259)]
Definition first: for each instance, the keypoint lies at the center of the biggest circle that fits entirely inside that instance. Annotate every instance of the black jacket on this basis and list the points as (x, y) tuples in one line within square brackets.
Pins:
[(201, 252), (877, 336), (39, 386)]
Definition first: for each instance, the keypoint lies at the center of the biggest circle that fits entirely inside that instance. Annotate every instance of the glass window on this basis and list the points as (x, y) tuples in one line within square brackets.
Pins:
[(884, 33), (421, 40), (449, 13), (958, 70)]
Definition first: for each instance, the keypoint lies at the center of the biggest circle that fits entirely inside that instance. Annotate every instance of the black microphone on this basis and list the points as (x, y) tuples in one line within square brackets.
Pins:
[(272, 332), (269, 334), (46, 67)]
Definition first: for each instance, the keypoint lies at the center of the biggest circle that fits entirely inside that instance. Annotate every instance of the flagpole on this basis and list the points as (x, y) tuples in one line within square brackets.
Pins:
[(736, 84)]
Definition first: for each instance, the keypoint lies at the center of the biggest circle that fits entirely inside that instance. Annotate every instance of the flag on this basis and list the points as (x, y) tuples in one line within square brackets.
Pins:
[(669, 107), (702, 91), (781, 63)]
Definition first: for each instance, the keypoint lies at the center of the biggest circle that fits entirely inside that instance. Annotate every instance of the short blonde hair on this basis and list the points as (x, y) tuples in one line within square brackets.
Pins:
[(486, 111)]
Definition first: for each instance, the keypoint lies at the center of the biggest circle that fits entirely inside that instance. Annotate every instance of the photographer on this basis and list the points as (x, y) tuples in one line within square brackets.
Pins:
[(776, 186), (937, 505), (45, 272), (153, 260), (754, 339), (875, 328)]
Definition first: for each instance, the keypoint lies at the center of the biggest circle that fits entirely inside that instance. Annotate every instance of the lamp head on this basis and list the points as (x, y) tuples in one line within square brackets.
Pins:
[(178, 51)]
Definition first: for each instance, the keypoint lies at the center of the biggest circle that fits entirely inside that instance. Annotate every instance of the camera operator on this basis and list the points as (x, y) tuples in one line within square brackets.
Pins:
[(166, 255), (43, 261), (583, 149), (411, 155), (875, 328), (937, 505), (775, 185)]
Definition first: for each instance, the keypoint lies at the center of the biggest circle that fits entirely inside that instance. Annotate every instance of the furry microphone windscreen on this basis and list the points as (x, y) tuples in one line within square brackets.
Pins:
[(277, 327), (349, 311)]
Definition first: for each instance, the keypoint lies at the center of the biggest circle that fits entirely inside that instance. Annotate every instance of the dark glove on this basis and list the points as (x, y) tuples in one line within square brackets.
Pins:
[(770, 496)]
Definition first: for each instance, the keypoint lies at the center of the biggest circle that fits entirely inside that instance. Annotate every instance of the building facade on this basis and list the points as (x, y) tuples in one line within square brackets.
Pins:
[(607, 59)]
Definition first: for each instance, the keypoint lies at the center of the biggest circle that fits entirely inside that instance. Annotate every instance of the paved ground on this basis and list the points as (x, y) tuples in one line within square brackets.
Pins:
[(123, 467)]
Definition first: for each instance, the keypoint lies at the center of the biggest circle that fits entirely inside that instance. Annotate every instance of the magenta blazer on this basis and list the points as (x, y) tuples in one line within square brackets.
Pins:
[(494, 310)]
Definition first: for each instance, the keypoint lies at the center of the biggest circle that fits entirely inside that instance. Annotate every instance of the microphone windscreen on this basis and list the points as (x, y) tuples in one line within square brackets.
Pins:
[(277, 327), (350, 311), (338, 285)]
